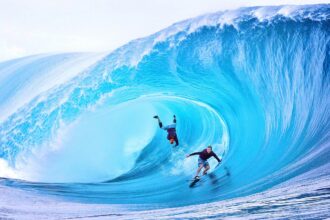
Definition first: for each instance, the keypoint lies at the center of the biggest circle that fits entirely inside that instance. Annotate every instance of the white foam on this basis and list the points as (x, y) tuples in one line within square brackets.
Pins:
[(96, 147), (7, 171), (43, 81), (229, 17)]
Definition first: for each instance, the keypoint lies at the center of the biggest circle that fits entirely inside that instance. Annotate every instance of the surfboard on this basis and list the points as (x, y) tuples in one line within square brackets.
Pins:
[(193, 182), (210, 175)]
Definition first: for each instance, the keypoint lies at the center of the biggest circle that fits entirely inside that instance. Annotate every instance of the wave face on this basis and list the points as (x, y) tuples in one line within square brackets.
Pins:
[(253, 82)]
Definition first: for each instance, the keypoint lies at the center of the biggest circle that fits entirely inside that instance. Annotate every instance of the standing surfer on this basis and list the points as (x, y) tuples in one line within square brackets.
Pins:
[(202, 160)]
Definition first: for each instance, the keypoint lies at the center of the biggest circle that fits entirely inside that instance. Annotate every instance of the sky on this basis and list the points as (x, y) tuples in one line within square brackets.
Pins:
[(51, 26)]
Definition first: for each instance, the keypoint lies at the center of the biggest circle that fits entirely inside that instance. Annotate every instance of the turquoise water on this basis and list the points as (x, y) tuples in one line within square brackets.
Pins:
[(253, 82)]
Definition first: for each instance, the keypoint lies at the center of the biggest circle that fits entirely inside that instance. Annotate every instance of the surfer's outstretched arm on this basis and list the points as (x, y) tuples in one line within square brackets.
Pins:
[(216, 157), (176, 141), (196, 153)]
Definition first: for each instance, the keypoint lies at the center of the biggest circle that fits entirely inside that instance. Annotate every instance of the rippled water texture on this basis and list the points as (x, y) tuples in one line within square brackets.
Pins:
[(253, 82)]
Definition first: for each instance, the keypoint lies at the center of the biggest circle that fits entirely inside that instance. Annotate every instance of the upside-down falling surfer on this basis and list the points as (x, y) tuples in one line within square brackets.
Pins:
[(202, 160), (171, 130)]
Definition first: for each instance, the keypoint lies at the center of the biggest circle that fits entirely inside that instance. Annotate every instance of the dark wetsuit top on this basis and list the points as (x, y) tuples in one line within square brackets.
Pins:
[(205, 156)]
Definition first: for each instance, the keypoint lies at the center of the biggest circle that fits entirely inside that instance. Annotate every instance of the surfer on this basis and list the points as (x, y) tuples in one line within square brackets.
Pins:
[(171, 130), (202, 160)]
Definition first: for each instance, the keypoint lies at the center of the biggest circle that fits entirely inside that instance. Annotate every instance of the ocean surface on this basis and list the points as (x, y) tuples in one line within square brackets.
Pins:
[(78, 138)]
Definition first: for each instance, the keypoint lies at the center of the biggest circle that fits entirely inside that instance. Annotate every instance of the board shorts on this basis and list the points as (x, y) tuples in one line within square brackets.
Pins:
[(204, 162)]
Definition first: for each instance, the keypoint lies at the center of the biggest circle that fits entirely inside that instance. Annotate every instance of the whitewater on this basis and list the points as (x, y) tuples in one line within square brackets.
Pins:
[(78, 138)]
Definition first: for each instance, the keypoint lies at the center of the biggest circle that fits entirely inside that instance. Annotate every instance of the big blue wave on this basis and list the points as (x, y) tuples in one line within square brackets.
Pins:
[(253, 82)]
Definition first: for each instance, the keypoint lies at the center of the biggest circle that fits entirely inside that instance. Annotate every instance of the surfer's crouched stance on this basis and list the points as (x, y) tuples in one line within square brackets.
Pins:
[(202, 160), (171, 130)]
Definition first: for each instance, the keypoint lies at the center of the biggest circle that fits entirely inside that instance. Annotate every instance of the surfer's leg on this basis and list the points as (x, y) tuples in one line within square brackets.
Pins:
[(206, 168), (199, 170), (159, 122), (200, 166)]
